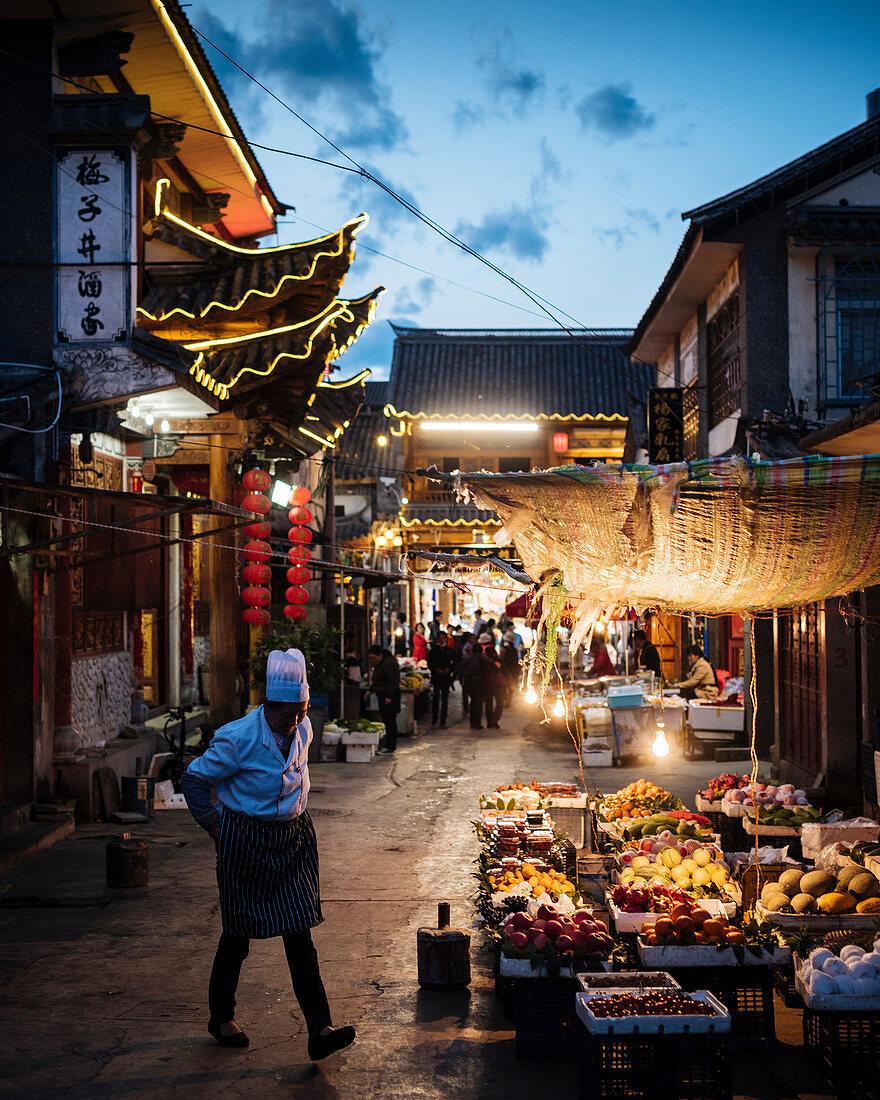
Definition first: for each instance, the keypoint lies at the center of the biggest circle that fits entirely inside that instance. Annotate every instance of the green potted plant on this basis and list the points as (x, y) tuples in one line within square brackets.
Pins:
[(320, 647)]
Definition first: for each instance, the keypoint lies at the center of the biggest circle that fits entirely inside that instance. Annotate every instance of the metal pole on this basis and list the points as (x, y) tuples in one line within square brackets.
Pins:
[(342, 642)]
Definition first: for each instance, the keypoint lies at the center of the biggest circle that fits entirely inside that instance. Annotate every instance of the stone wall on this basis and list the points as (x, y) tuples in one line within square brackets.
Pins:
[(101, 689)]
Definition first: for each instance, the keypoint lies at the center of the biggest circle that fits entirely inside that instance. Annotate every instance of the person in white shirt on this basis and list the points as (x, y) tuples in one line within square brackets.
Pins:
[(267, 854)]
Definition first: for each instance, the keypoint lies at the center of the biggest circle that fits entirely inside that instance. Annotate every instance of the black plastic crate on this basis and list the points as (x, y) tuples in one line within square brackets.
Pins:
[(745, 991), (734, 838), (654, 1067), (544, 1017), (503, 986), (847, 1046)]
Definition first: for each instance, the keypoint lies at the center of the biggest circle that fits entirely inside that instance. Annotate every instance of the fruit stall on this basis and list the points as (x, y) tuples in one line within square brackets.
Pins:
[(676, 959)]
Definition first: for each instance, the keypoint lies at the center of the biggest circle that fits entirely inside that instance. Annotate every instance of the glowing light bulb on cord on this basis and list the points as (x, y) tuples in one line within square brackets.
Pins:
[(661, 745), (148, 419), (531, 695), (134, 410), (559, 708)]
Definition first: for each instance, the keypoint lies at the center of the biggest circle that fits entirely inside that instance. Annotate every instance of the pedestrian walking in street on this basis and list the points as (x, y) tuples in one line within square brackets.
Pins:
[(385, 682), (267, 855), (479, 625), (435, 626), (420, 643), (511, 668), (467, 648), (475, 675), (496, 686), (440, 661)]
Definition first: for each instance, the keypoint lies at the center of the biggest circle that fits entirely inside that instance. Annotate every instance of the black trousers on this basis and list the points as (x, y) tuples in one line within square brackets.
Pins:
[(302, 959), (440, 704), (494, 705), (477, 699), (388, 714)]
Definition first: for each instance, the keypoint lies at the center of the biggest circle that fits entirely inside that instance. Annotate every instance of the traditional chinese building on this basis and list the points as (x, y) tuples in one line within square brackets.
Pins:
[(502, 400), (162, 351)]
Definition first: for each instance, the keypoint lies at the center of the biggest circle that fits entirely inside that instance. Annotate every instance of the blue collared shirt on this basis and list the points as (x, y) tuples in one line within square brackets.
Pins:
[(247, 766)]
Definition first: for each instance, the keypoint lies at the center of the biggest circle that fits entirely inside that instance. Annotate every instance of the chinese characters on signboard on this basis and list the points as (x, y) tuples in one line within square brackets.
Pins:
[(665, 426), (93, 245)]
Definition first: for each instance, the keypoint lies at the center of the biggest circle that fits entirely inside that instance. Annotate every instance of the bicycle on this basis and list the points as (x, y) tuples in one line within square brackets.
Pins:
[(174, 768)]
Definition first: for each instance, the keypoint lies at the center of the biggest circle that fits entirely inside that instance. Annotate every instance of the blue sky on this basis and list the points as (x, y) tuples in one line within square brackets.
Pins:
[(561, 140)]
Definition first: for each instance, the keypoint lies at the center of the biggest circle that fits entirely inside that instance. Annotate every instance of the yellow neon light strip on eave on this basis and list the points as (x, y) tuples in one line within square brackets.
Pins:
[(160, 210), (318, 438), (449, 522), (358, 378), (231, 140), (394, 414), (331, 316)]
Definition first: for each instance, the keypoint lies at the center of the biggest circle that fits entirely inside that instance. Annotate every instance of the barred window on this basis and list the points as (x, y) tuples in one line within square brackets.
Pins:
[(723, 361), (848, 290)]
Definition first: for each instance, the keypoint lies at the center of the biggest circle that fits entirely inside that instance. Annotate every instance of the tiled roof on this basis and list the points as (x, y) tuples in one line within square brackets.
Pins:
[(819, 225), (842, 154), (358, 456), (514, 373)]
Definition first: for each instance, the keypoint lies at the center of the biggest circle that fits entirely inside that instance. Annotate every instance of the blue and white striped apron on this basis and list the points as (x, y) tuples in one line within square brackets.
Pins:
[(267, 872)]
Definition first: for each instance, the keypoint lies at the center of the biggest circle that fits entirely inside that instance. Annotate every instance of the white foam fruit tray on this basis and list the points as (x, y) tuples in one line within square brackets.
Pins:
[(635, 922), (836, 1002), (522, 968), (719, 1021), (819, 922), (702, 954)]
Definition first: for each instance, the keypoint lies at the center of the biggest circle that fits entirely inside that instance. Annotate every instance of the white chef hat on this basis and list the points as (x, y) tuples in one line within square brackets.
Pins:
[(286, 677)]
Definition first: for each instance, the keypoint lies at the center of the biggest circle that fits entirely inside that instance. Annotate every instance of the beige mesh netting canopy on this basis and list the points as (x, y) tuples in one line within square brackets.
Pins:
[(719, 536)]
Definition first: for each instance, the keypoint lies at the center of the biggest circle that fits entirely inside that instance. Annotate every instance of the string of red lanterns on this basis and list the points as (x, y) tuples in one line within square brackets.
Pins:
[(300, 536), (257, 551)]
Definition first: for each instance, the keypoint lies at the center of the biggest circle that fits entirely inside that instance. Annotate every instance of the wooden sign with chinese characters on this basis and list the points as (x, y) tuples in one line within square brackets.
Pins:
[(665, 426), (93, 243)]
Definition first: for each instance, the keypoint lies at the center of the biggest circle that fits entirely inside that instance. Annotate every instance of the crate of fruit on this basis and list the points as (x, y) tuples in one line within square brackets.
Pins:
[(634, 921), (668, 1012), (822, 900), (706, 807)]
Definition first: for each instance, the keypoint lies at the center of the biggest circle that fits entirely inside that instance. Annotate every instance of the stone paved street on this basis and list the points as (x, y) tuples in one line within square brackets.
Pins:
[(104, 996)]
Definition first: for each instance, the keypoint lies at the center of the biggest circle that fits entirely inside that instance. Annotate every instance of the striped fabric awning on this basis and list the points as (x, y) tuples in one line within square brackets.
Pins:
[(719, 536)]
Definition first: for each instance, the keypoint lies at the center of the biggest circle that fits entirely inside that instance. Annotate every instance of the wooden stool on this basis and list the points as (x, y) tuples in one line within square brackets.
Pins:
[(444, 954)]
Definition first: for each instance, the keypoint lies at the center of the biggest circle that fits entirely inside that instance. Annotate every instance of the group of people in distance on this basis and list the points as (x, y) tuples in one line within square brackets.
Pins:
[(485, 661)]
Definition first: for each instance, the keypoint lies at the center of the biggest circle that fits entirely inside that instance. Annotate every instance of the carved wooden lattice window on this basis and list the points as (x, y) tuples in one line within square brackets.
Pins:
[(723, 361)]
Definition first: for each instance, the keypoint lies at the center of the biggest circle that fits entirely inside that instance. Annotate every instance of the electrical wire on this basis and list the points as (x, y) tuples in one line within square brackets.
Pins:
[(55, 419)]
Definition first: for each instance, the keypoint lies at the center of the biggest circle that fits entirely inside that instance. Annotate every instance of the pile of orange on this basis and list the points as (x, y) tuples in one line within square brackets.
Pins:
[(686, 925), (634, 801)]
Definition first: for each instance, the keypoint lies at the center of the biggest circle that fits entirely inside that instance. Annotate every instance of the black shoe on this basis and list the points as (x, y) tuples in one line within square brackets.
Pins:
[(473, 727), (238, 1039), (320, 1046), (384, 752)]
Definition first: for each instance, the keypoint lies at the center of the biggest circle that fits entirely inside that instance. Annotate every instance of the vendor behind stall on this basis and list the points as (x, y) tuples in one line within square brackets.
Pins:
[(701, 682), (647, 654)]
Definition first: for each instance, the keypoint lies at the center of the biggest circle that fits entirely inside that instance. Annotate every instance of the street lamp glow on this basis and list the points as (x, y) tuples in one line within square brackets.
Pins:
[(404, 500), (531, 695), (280, 495), (382, 440), (507, 426), (380, 542), (397, 541)]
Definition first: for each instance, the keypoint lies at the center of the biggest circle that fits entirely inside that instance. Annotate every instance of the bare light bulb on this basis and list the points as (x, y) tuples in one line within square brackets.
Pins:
[(165, 426), (559, 709), (661, 745), (148, 419), (134, 410), (531, 695)]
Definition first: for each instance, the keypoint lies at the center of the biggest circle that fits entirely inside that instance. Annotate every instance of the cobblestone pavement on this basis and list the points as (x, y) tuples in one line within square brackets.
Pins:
[(104, 995)]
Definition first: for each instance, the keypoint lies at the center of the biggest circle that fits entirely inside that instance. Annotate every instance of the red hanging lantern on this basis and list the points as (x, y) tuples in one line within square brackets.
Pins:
[(300, 495), (560, 442), (298, 574), (295, 612), (256, 502), (256, 573), (300, 534), (256, 616), (296, 595), (256, 596), (257, 530), (257, 550), (256, 481), (296, 554), (300, 516)]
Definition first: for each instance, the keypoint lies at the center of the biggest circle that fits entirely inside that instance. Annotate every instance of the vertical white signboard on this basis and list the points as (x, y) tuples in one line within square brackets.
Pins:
[(93, 245)]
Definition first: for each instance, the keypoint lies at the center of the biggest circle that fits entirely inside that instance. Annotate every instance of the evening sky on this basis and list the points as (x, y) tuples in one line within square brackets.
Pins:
[(562, 140)]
